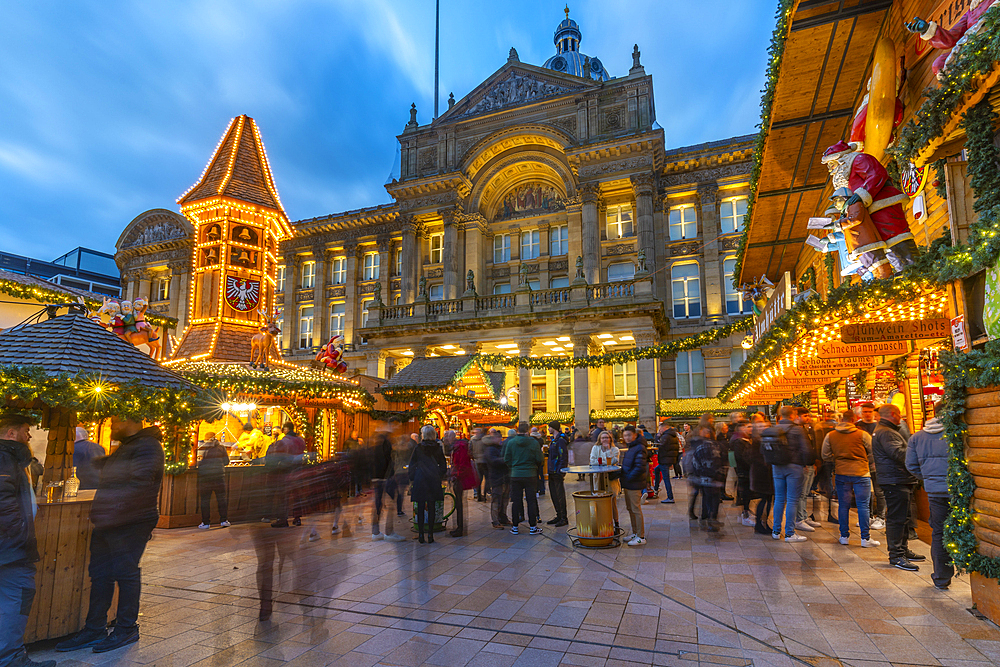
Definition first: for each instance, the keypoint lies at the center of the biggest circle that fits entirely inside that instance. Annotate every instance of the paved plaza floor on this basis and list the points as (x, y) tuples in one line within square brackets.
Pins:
[(492, 599)]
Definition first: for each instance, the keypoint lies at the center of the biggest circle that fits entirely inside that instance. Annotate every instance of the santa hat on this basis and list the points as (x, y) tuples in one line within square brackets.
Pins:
[(835, 151)]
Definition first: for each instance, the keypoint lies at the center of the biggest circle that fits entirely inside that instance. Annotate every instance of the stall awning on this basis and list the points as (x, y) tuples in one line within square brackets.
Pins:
[(821, 79)]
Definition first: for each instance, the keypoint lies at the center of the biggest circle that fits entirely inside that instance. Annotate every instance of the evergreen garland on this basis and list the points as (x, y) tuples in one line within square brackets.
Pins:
[(775, 52), (940, 181)]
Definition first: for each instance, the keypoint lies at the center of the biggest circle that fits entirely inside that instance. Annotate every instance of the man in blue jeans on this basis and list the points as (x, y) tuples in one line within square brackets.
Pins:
[(788, 474), (849, 449), (668, 450)]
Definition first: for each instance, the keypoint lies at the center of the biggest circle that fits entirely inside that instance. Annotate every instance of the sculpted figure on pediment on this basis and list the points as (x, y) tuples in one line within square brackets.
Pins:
[(517, 88)]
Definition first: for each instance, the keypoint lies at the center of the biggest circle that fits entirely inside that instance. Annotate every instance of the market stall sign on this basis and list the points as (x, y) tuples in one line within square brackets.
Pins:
[(799, 386), (809, 374), (839, 364), (958, 333), (766, 399), (779, 301), (835, 350), (879, 332)]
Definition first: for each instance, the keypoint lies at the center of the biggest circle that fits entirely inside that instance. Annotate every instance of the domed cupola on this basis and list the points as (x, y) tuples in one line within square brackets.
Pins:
[(568, 58)]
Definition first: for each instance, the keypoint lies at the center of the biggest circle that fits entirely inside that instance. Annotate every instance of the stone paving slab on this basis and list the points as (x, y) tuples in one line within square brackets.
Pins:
[(492, 599)]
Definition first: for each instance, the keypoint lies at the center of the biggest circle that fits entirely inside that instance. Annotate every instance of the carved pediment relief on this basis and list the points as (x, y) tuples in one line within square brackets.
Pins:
[(153, 228), (512, 90)]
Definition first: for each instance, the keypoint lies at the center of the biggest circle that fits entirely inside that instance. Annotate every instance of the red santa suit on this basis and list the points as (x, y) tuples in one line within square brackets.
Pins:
[(941, 38)]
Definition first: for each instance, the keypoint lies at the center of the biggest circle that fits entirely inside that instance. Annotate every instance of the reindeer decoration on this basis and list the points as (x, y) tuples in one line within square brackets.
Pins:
[(262, 344), (127, 320)]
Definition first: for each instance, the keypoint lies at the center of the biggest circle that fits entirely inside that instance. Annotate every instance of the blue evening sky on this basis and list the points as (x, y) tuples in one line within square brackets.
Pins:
[(112, 107)]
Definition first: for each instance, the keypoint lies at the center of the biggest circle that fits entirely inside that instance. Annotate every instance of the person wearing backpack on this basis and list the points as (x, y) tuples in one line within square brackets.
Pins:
[(784, 447)]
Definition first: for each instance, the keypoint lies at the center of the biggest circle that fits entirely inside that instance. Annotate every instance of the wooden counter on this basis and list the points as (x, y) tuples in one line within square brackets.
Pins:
[(62, 585), (179, 506)]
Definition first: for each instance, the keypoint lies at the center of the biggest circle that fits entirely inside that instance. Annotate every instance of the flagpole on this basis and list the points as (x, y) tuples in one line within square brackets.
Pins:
[(437, 52)]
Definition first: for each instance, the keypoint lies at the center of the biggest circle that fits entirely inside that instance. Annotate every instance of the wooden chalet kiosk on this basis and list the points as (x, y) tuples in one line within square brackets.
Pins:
[(905, 335), (448, 392), (69, 372)]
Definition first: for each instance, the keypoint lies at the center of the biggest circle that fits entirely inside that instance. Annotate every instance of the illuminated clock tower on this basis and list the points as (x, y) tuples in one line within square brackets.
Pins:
[(238, 223)]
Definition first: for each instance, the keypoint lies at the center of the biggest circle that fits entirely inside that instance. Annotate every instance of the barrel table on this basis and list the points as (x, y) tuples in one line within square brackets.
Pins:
[(595, 510)]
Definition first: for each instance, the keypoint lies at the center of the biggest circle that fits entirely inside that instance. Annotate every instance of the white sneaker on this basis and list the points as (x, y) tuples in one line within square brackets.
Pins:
[(313, 535), (845, 540), (636, 541), (796, 538), (335, 530), (628, 538), (877, 524), (870, 543), (748, 521), (805, 527), (204, 526), (814, 524), (395, 538), (775, 536), (225, 524), (377, 536)]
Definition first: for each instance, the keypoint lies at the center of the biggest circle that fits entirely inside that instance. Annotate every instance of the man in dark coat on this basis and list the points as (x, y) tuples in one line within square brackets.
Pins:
[(499, 478), (668, 449), (558, 459), (18, 548), (124, 513), (635, 477), (427, 470), (927, 457), (84, 453), (898, 483), (212, 479)]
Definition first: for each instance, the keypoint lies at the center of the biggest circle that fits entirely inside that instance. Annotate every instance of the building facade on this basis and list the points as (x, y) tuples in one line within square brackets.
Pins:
[(540, 215)]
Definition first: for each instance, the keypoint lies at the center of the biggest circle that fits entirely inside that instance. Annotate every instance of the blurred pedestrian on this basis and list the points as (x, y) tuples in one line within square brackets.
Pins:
[(212, 461), (427, 469), (558, 459), (462, 477), (84, 454), (382, 474), (499, 478)]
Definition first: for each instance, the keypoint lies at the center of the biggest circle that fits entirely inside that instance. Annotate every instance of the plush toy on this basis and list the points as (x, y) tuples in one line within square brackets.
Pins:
[(331, 355)]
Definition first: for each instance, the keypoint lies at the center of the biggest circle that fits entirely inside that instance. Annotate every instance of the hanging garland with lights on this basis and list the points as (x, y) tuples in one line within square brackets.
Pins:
[(832, 391), (94, 398), (401, 416), (846, 301), (979, 56), (615, 414), (546, 417), (775, 52), (292, 383), (658, 351), (695, 407), (962, 371)]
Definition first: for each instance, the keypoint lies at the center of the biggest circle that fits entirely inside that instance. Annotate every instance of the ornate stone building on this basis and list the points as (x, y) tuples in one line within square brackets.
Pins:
[(539, 215)]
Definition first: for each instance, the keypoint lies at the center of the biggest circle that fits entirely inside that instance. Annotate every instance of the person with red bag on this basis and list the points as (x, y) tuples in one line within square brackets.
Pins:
[(463, 478)]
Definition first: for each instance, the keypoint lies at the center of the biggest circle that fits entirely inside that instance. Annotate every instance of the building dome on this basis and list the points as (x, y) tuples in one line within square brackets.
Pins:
[(568, 58)]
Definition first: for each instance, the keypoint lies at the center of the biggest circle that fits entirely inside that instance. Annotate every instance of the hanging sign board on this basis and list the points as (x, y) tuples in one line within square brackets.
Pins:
[(809, 374), (836, 350), (958, 333), (779, 301), (880, 332), (841, 364)]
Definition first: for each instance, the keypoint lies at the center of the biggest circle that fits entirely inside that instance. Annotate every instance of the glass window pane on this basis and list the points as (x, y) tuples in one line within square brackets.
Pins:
[(559, 283), (741, 206), (683, 386), (682, 362), (697, 361), (694, 309)]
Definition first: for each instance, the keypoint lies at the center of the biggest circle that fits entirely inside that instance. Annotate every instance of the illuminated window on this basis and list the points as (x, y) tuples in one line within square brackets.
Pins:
[(436, 292), (538, 372), (686, 284), (306, 327), (337, 314), (690, 374), (308, 275), (370, 266), (339, 270), (683, 222), (559, 283), (620, 222), (501, 288), (538, 393), (280, 283), (501, 248), (621, 271), (162, 289), (564, 390), (529, 245), (398, 262), (559, 240), (731, 212), (735, 304), (437, 248), (625, 380), (365, 306)]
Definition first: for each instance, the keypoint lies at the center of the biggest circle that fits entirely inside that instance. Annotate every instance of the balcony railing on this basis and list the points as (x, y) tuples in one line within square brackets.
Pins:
[(549, 297), (495, 302), (397, 312), (617, 290), (444, 307)]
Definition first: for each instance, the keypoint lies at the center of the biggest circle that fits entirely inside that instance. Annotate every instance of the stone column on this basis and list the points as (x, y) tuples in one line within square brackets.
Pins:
[(647, 375), (449, 255), (590, 233), (574, 217), (708, 219), (351, 321), (644, 186), (175, 305), (290, 315), (376, 363), (320, 315), (475, 252), (581, 386), (524, 382), (408, 281), (384, 244)]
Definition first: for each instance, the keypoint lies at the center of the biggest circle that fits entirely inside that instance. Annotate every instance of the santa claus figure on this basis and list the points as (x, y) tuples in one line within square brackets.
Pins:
[(882, 201), (941, 38)]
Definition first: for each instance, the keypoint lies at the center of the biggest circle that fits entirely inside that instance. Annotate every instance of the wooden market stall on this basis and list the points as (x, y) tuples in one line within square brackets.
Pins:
[(448, 392), (63, 371), (325, 409)]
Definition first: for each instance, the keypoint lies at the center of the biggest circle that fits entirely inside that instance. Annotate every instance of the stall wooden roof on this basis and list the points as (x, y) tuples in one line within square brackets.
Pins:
[(820, 82)]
